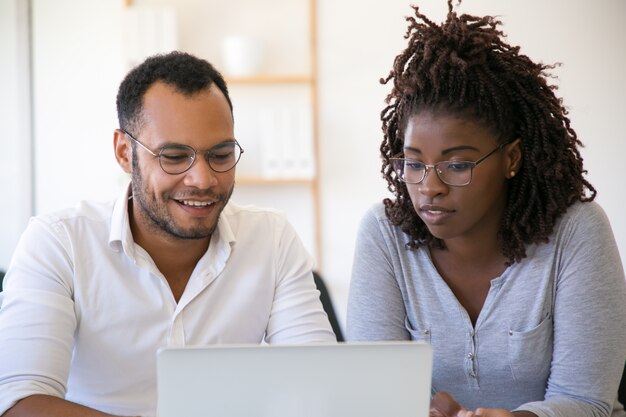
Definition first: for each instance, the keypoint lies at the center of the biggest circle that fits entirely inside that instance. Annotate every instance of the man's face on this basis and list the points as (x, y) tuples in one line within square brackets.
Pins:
[(187, 205)]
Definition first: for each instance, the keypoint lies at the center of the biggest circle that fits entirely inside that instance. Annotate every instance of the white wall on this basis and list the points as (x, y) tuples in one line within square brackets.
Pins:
[(15, 146), (78, 65)]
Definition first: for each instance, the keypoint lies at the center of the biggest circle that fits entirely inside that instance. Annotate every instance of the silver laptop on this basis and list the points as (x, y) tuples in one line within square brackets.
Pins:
[(342, 380)]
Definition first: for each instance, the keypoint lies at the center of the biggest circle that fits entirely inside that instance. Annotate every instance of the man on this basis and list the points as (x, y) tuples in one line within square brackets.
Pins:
[(93, 293)]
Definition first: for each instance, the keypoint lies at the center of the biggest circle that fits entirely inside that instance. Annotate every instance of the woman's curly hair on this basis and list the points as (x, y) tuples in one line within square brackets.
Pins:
[(464, 67)]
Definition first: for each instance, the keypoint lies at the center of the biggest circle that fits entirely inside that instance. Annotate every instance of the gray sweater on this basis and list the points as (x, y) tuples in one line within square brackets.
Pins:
[(551, 336)]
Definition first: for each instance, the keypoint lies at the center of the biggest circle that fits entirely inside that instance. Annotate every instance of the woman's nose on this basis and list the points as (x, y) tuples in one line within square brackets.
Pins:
[(432, 185)]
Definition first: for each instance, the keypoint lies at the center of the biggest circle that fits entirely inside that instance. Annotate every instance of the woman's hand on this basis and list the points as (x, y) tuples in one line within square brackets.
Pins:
[(493, 412), (485, 412), (443, 405)]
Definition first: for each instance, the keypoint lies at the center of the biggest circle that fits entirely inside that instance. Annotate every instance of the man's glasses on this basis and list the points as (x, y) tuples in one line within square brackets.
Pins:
[(176, 159), (455, 173)]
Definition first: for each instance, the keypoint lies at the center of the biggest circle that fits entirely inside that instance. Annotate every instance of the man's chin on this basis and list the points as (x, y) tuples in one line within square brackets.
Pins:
[(193, 232), (190, 228)]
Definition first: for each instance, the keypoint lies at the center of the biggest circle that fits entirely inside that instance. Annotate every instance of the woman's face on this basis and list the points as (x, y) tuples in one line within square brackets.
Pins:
[(472, 211)]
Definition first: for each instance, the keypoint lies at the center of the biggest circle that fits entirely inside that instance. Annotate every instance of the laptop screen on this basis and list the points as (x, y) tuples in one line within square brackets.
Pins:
[(338, 380)]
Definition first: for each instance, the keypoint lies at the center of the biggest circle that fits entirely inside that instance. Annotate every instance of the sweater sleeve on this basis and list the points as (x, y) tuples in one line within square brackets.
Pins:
[(375, 305), (589, 319)]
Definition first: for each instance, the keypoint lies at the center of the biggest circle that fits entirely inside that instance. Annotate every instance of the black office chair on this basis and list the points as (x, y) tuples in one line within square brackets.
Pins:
[(328, 305), (621, 391)]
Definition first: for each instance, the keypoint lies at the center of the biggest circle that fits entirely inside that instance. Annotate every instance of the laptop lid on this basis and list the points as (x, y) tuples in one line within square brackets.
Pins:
[(342, 380)]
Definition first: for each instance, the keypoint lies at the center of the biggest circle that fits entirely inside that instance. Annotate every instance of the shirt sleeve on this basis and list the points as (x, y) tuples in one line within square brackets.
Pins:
[(297, 314), (589, 316), (37, 319), (375, 304)]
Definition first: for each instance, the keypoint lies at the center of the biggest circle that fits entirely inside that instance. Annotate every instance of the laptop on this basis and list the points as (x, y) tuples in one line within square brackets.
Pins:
[(320, 380)]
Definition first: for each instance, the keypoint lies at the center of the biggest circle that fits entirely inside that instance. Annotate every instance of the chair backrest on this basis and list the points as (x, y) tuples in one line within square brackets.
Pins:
[(621, 392), (328, 305), (1, 287)]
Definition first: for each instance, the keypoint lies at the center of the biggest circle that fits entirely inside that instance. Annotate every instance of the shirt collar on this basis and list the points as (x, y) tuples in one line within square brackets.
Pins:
[(120, 236), (224, 228)]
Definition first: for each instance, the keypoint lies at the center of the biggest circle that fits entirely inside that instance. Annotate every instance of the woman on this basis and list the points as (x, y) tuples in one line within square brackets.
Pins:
[(492, 250)]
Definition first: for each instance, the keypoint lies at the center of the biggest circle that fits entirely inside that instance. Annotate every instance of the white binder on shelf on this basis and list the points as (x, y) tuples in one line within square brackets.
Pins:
[(269, 144), (286, 143), (304, 164)]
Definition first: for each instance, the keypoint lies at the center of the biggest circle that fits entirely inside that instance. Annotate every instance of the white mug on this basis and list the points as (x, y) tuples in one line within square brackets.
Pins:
[(242, 56)]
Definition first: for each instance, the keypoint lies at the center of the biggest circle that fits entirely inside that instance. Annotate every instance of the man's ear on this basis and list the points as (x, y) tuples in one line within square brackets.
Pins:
[(123, 150), (513, 155)]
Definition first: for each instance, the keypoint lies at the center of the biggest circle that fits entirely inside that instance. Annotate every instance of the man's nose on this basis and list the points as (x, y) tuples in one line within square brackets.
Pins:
[(200, 175)]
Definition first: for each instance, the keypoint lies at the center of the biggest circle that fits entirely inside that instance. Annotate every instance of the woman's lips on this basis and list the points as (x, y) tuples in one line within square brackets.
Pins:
[(432, 214)]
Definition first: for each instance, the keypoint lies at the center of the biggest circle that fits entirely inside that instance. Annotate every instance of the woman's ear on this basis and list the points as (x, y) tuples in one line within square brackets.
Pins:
[(513, 158), (123, 150)]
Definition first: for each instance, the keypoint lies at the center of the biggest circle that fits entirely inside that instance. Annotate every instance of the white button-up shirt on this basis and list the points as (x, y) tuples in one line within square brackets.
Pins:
[(86, 309)]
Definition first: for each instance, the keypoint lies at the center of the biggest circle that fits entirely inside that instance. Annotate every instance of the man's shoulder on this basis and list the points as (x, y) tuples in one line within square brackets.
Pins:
[(86, 210), (244, 222), (238, 212)]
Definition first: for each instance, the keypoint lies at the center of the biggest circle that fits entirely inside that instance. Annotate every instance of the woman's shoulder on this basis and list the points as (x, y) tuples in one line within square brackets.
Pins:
[(582, 215), (377, 210), (376, 217), (375, 225), (584, 228)]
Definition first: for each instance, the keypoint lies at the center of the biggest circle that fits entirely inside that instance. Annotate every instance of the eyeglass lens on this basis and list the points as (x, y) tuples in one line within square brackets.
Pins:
[(176, 159), (451, 172)]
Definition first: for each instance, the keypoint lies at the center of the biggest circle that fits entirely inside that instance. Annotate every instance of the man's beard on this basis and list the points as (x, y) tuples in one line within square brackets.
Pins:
[(159, 219)]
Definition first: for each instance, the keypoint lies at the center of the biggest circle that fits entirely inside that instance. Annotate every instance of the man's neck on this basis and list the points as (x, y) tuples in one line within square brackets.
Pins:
[(174, 257)]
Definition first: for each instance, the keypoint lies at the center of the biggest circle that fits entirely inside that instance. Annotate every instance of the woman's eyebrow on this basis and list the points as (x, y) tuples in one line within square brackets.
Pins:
[(447, 150), (459, 148)]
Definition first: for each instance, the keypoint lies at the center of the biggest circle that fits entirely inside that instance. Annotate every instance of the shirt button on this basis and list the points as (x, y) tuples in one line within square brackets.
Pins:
[(510, 332), (426, 331), (470, 355)]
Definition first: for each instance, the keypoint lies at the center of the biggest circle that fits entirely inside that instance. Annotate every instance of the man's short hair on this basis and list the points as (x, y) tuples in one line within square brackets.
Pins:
[(186, 73)]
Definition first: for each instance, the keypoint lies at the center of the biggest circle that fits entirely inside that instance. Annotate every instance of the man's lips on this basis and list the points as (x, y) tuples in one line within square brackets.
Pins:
[(195, 203), (197, 208)]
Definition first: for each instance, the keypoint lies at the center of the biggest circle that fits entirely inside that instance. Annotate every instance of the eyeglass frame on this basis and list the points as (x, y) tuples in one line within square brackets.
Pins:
[(195, 154), (428, 167)]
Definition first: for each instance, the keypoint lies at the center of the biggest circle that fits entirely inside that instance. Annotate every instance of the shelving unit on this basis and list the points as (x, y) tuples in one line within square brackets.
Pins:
[(287, 184), (284, 184)]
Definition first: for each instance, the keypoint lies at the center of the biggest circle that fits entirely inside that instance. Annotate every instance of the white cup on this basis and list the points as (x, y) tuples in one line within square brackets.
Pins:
[(242, 56)]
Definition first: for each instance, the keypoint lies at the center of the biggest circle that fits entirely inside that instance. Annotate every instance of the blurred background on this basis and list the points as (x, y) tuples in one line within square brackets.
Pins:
[(304, 78)]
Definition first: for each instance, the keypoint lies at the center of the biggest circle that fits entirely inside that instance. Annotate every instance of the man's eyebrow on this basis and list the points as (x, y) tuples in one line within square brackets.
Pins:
[(226, 142)]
